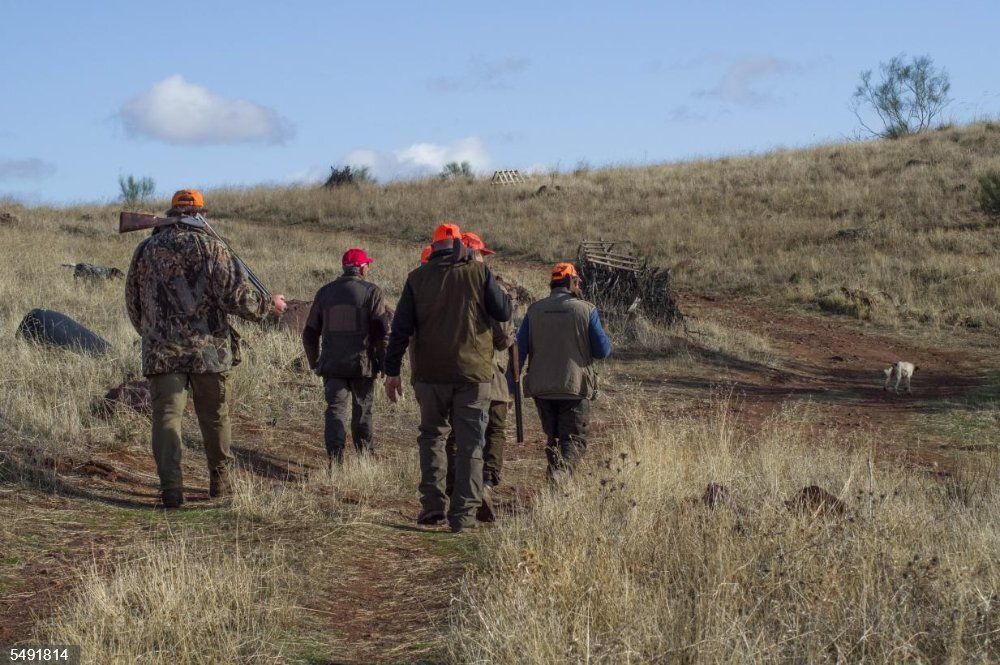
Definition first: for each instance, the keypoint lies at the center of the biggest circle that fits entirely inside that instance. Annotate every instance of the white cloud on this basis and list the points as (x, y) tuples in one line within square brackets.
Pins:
[(31, 168), (743, 81), (421, 159), (481, 75), (182, 113)]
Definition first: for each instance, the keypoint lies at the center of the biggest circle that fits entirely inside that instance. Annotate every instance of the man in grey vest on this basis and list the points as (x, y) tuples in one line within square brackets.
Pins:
[(446, 308), (560, 338), (349, 315)]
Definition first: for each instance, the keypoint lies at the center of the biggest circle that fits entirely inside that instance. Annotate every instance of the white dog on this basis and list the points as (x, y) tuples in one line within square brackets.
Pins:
[(900, 372)]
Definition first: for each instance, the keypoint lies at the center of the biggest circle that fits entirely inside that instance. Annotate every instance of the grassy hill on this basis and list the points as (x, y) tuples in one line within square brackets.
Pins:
[(887, 230)]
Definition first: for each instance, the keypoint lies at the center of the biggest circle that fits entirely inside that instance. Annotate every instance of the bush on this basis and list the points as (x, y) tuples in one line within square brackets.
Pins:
[(907, 99), (135, 191), (454, 170), (349, 175), (989, 193)]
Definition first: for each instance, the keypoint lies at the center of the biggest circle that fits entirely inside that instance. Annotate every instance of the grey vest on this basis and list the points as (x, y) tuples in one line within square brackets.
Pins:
[(560, 365)]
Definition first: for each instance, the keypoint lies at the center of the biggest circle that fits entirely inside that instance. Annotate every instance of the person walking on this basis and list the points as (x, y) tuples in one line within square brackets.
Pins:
[(181, 287), (500, 397), (559, 339), (344, 341), (446, 307)]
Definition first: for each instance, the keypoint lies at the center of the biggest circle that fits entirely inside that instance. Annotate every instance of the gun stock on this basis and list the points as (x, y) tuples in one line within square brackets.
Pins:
[(139, 221), (515, 366)]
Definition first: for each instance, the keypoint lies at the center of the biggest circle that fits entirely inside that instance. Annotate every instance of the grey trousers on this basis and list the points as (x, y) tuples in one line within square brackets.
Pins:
[(465, 405), (348, 398)]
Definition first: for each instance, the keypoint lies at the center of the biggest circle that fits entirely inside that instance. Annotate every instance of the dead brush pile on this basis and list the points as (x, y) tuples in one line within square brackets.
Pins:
[(631, 564)]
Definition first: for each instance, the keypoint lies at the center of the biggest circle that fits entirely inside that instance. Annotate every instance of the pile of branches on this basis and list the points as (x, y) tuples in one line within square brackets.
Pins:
[(623, 285)]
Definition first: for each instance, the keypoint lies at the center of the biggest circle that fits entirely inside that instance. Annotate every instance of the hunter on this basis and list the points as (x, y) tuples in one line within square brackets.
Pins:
[(496, 425), (560, 338), (181, 286), (446, 307), (351, 319)]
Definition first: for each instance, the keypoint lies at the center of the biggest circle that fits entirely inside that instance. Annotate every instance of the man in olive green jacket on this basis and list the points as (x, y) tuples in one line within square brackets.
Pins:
[(446, 307), (559, 340)]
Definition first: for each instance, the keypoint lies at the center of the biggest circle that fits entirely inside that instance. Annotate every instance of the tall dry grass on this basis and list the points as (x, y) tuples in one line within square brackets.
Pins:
[(185, 603), (626, 565)]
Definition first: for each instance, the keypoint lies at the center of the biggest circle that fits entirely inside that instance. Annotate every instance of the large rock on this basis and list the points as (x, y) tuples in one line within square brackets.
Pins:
[(56, 329)]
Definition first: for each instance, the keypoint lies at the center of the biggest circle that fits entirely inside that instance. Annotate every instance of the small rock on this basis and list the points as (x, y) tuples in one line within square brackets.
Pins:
[(816, 501), (716, 494), (133, 394)]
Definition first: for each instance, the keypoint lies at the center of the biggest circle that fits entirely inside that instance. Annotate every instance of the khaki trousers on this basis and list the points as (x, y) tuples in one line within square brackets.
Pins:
[(443, 407), (211, 405)]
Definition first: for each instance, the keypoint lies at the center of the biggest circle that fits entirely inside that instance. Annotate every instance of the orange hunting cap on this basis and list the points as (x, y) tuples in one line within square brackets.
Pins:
[(187, 198), (475, 243), (562, 271), (447, 231), (425, 254)]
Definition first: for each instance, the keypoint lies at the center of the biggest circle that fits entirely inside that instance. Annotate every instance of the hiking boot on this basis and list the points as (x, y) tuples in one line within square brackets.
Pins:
[(491, 479), (171, 499), (462, 528), (219, 483), (485, 512), (432, 519)]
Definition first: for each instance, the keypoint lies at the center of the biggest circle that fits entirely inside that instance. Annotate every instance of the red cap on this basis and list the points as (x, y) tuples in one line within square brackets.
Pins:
[(475, 243), (425, 254), (447, 231), (355, 258)]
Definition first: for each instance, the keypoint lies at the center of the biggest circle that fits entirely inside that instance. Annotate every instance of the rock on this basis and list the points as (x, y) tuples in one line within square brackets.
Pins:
[(92, 272), (860, 233), (133, 394), (8, 218), (815, 500), (294, 318), (56, 329)]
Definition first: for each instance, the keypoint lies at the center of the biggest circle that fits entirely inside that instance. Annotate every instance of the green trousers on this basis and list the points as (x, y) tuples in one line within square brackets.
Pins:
[(443, 407), (211, 405), (496, 437)]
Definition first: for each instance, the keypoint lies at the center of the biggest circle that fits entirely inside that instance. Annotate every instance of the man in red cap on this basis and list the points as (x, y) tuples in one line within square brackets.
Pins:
[(344, 339), (445, 308)]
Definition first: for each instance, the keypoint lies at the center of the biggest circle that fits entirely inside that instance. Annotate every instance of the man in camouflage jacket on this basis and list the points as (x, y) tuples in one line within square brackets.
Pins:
[(181, 286)]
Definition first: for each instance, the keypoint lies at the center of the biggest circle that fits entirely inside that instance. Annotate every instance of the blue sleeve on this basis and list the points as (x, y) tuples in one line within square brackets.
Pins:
[(600, 345), (523, 341)]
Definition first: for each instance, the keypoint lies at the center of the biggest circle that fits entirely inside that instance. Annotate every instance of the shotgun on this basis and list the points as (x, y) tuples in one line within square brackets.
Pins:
[(139, 221), (515, 370)]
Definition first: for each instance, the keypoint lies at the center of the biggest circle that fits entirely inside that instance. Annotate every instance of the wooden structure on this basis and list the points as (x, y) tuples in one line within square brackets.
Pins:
[(622, 284), (507, 177)]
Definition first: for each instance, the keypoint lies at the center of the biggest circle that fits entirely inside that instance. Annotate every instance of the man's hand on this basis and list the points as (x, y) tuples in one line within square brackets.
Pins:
[(279, 304), (393, 388)]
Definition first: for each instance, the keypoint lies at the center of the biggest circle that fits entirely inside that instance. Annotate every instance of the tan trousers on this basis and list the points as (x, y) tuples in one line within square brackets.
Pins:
[(211, 405)]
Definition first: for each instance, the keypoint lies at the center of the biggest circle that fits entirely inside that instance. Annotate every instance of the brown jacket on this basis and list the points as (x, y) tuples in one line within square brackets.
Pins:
[(180, 287), (350, 317)]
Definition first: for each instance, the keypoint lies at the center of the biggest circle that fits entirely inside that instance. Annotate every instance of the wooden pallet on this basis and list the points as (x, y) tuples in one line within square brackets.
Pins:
[(617, 255), (507, 177)]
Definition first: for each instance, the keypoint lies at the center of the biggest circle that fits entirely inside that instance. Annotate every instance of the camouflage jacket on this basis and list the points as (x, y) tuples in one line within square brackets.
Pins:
[(180, 287)]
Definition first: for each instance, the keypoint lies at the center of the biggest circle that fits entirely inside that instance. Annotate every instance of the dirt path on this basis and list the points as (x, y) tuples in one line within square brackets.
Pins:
[(383, 594)]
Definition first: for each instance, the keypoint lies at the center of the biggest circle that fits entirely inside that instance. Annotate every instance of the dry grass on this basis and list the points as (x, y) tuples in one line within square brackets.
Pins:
[(626, 565), (764, 225), (185, 603)]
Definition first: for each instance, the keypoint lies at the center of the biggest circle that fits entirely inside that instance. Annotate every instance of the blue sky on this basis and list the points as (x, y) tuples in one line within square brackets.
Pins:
[(235, 93)]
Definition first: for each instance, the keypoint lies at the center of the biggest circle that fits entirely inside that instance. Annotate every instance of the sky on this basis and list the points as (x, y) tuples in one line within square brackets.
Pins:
[(208, 94)]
